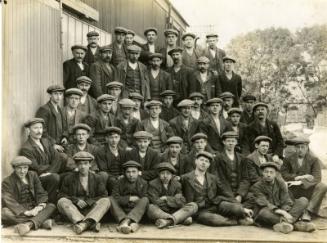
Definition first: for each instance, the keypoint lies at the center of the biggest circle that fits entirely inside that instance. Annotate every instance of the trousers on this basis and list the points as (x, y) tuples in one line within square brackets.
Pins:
[(51, 185)]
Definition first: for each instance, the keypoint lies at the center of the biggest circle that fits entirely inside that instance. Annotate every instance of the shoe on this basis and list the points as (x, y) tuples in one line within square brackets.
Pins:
[(47, 224), (134, 227), (96, 227), (125, 229), (23, 229), (246, 221), (283, 227), (306, 216), (80, 227), (188, 221), (161, 223), (304, 226)]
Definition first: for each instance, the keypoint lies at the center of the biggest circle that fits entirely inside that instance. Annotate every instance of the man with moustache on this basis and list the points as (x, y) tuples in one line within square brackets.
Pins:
[(92, 53), (103, 72), (87, 103), (171, 42), (151, 46), (138, 112), (247, 114), (168, 110), (75, 67), (190, 53), (197, 110), (119, 52)]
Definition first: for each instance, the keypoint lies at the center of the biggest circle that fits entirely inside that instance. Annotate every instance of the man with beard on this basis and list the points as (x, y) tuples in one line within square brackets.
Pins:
[(119, 52), (138, 112), (151, 46), (133, 74), (197, 112), (184, 125), (190, 53), (87, 103), (203, 80), (263, 126), (24, 201), (168, 206), (171, 42), (75, 67), (83, 196), (129, 38), (247, 114), (115, 88), (102, 72), (129, 200), (92, 53), (168, 110), (180, 75), (159, 79)]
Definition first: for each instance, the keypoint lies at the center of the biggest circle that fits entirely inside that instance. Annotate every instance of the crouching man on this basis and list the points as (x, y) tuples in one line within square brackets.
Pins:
[(274, 206), (24, 200), (83, 196), (129, 199), (168, 206)]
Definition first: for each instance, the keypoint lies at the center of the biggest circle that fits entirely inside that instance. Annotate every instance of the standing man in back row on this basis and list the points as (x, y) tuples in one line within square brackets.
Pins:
[(119, 53), (151, 46), (92, 53), (171, 42)]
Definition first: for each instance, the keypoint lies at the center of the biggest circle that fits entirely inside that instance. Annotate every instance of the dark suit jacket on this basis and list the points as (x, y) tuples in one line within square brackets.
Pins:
[(79, 117), (11, 192), (211, 89), (116, 58), (246, 117), (181, 81), (100, 75), (216, 63), (91, 106), (234, 86), (181, 166), (165, 81), (90, 57), (127, 130), (145, 53), (242, 146), (168, 113), (72, 71), (73, 149)]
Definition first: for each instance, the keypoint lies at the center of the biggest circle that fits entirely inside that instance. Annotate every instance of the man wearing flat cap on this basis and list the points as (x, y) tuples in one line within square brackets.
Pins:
[(159, 80), (159, 128), (133, 74), (168, 111), (228, 102), (168, 206), (197, 111), (87, 103), (129, 38), (83, 196), (46, 161), (24, 201), (171, 36), (139, 113), (115, 88), (216, 206), (229, 80), (302, 172), (129, 200), (247, 106), (191, 53), (103, 72), (119, 51), (75, 67), (273, 206), (101, 119), (151, 46), (203, 80), (214, 54), (92, 53), (184, 125)]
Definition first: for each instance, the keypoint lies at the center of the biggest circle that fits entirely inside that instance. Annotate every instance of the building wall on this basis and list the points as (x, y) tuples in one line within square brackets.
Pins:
[(32, 59)]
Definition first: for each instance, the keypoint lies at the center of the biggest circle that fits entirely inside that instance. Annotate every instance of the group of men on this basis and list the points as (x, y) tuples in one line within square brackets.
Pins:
[(134, 141)]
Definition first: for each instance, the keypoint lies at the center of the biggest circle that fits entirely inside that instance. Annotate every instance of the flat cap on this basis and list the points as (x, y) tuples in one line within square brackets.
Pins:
[(229, 134), (111, 130), (196, 94), (185, 103), (176, 49), (226, 95), (203, 59), (83, 79), (205, 154), (105, 48), (297, 140), (127, 103), (20, 160), (271, 165), (150, 29), (33, 121), (248, 97), (199, 135), (92, 33), (120, 29), (171, 31), (227, 58), (134, 49), (174, 140), (142, 134), (131, 32), (153, 103), (73, 91), (258, 104), (211, 35), (136, 96), (132, 163), (81, 126), (55, 88), (262, 138), (188, 34), (83, 156), (74, 47), (213, 101), (168, 93), (114, 84), (166, 166), (234, 110), (155, 55), (105, 97)]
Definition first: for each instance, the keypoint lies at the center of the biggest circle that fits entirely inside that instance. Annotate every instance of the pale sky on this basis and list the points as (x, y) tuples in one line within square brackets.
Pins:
[(233, 17)]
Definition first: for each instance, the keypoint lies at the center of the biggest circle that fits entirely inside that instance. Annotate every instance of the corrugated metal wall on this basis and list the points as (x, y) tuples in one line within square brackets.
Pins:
[(32, 58)]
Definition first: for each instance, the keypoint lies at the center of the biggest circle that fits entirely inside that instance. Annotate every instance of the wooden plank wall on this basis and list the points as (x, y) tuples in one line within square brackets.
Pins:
[(33, 60)]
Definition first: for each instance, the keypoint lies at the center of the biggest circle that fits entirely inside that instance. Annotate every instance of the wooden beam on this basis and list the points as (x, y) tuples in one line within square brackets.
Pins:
[(82, 8)]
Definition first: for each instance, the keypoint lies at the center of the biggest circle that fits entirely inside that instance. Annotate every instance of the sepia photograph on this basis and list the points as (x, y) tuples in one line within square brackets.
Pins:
[(163, 121)]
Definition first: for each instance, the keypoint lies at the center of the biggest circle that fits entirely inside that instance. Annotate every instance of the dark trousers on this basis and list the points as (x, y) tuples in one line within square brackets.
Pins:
[(135, 214), (267, 217), (9, 217), (51, 185)]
